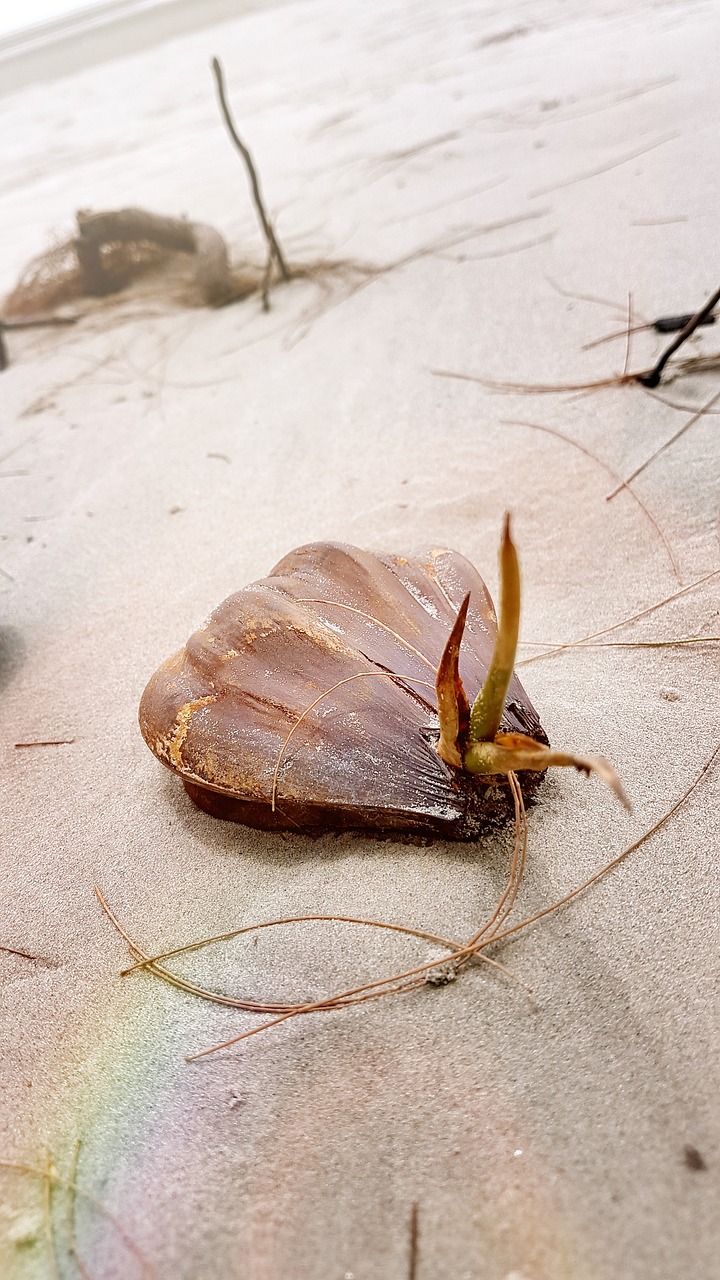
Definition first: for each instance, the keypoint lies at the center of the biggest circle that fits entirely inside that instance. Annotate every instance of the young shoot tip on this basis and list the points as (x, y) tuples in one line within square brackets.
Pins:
[(488, 706)]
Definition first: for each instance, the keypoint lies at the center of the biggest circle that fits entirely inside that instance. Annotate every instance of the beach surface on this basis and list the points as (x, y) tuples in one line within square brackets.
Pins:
[(529, 174)]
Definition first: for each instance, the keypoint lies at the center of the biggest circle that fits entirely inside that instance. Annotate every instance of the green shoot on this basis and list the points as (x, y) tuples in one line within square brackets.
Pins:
[(488, 707)]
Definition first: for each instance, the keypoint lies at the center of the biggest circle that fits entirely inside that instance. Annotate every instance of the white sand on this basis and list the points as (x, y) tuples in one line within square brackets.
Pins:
[(541, 1139)]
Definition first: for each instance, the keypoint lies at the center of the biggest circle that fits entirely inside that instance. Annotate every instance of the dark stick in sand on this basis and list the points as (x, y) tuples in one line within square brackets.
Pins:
[(263, 215), (652, 378)]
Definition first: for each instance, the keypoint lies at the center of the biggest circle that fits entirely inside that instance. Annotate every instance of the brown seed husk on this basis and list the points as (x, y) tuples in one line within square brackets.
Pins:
[(360, 635)]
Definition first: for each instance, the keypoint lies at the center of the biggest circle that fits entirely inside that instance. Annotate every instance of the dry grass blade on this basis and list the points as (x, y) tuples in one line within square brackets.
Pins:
[(615, 862), (681, 408), (498, 935), (613, 337), (616, 626), (189, 947), (700, 413), (445, 969), (152, 965), (693, 364), (18, 1167), (629, 644), (517, 869), (493, 931), (614, 475)]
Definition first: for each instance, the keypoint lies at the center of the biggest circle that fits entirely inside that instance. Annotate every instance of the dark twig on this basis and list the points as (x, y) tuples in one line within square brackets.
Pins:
[(273, 246), (413, 1254), (13, 951), (53, 742), (652, 379)]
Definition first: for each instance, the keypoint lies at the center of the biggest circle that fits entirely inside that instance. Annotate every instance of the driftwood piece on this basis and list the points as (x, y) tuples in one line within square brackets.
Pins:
[(95, 230)]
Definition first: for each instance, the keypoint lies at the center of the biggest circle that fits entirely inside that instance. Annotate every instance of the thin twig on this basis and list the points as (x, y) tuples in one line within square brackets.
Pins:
[(652, 377), (271, 238), (609, 866), (412, 979), (625, 644), (700, 413), (414, 1240), (53, 742), (14, 952)]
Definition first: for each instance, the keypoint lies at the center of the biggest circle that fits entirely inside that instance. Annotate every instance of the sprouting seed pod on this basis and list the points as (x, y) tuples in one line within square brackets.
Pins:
[(307, 701)]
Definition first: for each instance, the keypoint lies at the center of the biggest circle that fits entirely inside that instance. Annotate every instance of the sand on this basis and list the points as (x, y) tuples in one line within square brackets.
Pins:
[(155, 459)]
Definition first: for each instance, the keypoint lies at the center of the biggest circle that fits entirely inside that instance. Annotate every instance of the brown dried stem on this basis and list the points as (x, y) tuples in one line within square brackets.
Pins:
[(694, 364), (273, 246)]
